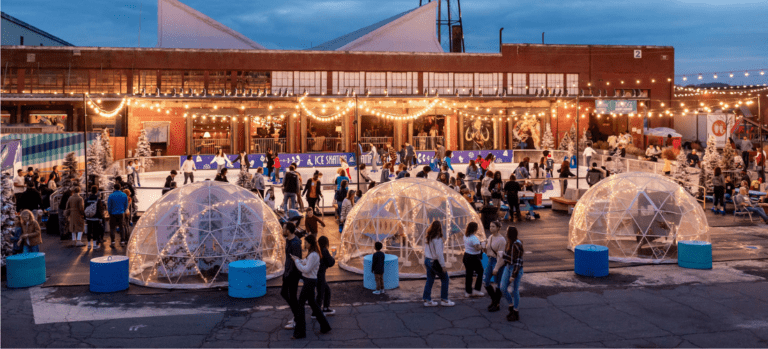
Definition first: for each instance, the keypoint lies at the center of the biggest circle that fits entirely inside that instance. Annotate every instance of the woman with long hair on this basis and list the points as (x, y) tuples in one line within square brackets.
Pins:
[(494, 247), (30, 238), (565, 172), (512, 265), (309, 267), (434, 262), (447, 160), (485, 189), (473, 174), (718, 182), (473, 261), (497, 187), (221, 160)]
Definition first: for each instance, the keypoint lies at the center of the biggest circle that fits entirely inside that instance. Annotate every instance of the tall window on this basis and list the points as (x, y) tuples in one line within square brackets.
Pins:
[(218, 82), (195, 80), (438, 83), (464, 83), (313, 82), (282, 80), (402, 83), (253, 80), (170, 79), (572, 80), (352, 81), (538, 83), (489, 83), (44, 80), (555, 82), (517, 84), (145, 79), (376, 83)]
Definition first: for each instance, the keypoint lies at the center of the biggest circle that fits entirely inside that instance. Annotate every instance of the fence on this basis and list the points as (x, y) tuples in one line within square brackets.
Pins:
[(150, 164), (535, 155), (211, 145), (379, 142), (427, 142), (324, 144), (261, 145)]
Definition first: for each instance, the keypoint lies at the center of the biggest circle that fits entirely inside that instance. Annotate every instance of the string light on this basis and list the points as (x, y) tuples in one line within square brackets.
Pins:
[(105, 113)]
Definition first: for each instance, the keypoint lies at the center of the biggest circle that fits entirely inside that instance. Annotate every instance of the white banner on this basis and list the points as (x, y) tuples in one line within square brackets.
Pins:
[(719, 125)]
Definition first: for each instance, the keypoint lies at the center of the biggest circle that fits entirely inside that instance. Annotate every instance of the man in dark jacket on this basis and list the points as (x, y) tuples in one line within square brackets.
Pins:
[(291, 274), (30, 199), (168, 181), (290, 188), (594, 175), (323, 291), (511, 189), (222, 176), (424, 172)]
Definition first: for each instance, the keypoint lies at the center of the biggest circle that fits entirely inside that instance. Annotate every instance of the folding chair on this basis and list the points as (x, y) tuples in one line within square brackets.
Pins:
[(741, 212)]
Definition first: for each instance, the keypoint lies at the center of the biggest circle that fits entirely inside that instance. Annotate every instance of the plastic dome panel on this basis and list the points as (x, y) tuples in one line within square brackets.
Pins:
[(187, 238)]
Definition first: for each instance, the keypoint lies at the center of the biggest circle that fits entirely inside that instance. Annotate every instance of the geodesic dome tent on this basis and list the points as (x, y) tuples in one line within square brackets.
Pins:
[(189, 236), (397, 213), (639, 216)]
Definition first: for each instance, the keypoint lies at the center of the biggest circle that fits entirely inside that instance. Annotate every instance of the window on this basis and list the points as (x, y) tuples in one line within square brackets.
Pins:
[(438, 83), (44, 80), (145, 79), (402, 83), (170, 80), (76, 81), (555, 83), (572, 80), (464, 83), (538, 83), (195, 80), (313, 82), (218, 82), (254, 80), (282, 80), (106, 81), (343, 81), (488, 83), (517, 84), (10, 81), (376, 83)]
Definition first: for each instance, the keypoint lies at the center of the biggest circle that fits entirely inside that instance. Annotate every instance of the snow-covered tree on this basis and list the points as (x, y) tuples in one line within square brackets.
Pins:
[(583, 141), (710, 161), (547, 140), (726, 162), (564, 142), (7, 216), (106, 159), (572, 133), (69, 170), (244, 179), (680, 172), (143, 150), (571, 149)]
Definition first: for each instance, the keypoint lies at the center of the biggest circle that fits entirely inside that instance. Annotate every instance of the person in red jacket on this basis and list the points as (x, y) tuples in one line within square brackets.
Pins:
[(276, 171)]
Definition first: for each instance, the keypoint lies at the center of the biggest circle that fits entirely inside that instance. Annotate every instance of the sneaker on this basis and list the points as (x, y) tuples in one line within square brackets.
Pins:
[(377, 292), (79, 243), (290, 325), (112, 244), (430, 303), (383, 291), (477, 293), (467, 295), (329, 311), (447, 303)]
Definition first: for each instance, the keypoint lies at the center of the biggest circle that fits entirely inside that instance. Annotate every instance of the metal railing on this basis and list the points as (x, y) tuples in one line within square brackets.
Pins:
[(427, 142), (535, 155), (145, 164), (379, 142), (324, 144), (261, 145), (211, 145)]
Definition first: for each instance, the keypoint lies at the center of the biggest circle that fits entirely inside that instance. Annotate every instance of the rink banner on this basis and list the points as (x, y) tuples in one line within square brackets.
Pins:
[(457, 157), (11, 155), (205, 162), (615, 106), (45, 150)]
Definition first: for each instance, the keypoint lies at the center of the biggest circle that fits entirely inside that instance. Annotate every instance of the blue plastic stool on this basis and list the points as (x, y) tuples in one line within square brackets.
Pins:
[(391, 272), (26, 269), (694, 254), (109, 274), (591, 260), (247, 279)]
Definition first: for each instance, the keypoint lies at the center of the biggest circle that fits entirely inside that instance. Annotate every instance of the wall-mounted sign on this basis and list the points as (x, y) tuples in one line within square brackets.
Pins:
[(615, 106)]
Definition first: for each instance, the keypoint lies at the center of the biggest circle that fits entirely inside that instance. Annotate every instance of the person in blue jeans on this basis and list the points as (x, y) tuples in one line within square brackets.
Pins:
[(494, 246), (434, 262), (512, 265)]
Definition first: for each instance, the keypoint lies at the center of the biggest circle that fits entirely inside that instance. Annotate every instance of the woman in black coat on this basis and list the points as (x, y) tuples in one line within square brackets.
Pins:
[(565, 172)]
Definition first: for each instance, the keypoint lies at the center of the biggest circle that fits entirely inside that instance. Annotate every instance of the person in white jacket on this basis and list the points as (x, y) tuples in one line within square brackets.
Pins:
[(221, 161), (434, 262), (309, 267), (588, 152), (187, 168), (374, 158), (346, 206)]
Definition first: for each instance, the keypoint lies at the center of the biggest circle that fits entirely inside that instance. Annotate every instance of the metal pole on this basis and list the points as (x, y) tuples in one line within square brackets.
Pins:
[(450, 29), (760, 134), (85, 140), (578, 154), (359, 150)]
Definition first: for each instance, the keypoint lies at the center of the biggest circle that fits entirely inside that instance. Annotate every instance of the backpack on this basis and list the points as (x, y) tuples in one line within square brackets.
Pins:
[(91, 210)]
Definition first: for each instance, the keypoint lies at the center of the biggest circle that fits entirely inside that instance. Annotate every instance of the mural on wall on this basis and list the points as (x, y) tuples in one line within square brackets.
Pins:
[(478, 134), (49, 120), (528, 132)]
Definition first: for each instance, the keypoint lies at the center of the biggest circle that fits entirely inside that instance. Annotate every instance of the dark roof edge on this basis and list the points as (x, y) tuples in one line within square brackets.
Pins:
[(34, 29), (578, 45)]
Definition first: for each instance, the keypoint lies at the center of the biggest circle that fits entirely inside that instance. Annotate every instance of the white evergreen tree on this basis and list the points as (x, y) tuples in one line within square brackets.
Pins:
[(583, 141), (680, 172), (143, 151), (68, 172), (726, 162), (564, 142), (106, 147), (7, 216), (572, 133), (244, 179), (547, 141), (711, 160)]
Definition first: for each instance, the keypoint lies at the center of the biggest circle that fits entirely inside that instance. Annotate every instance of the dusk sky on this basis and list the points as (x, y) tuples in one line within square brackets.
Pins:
[(708, 35)]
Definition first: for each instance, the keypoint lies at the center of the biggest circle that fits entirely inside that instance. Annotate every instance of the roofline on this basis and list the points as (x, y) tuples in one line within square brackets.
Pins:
[(587, 46), (33, 28)]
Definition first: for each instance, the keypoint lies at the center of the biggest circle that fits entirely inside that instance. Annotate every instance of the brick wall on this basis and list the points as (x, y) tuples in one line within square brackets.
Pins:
[(177, 137)]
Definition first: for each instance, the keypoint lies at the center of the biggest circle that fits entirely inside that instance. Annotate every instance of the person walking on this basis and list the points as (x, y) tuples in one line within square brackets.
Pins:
[(473, 263), (745, 146), (494, 247), (290, 188), (512, 188), (718, 182), (257, 182), (565, 172), (76, 216), (117, 203), (313, 192), (323, 290), (485, 188), (221, 160), (511, 267), (30, 238), (291, 274), (377, 267), (308, 268), (188, 168), (243, 159), (94, 219), (346, 206), (311, 221), (410, 156), (270, 162), (434, 262)]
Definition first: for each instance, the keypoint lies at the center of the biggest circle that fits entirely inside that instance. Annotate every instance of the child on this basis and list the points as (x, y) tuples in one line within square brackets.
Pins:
[(269, 199), (312, 221), (377, 267), (323, 291)]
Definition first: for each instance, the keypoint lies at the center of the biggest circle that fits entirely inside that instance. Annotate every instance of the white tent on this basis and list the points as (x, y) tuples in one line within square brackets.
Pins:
[(410, 31), (180, 26)]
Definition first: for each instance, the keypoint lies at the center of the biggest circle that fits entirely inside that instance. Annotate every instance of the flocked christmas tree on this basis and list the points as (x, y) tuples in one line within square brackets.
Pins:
[(564, 143), (143, 151), (94, 159), (572, 133), (68, 173), (244, 179), (710, 161), (726, 162), (680, 172), (583, 141), (547, 140), (7, 216), (106, 158)]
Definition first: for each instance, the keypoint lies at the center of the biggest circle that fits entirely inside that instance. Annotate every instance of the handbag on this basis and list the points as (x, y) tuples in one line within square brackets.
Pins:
[(436, 267)]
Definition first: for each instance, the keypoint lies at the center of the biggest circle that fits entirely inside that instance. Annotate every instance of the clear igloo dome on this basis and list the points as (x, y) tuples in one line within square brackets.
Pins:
[(639, 216), (189, 236), (397, 213)]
